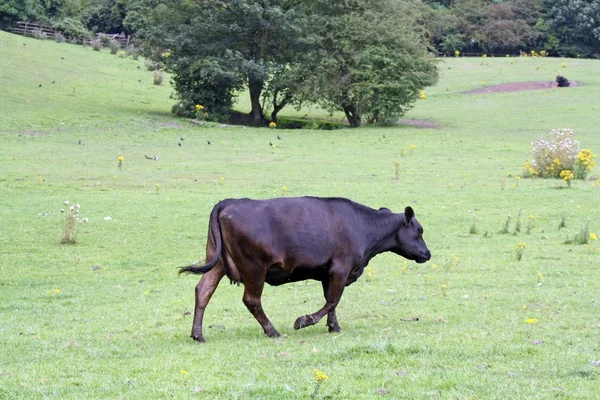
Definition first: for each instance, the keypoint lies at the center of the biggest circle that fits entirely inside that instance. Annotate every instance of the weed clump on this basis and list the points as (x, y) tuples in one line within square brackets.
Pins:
[(559, 156), (96, 44), (70, 224), (114, 46), (158, 77)]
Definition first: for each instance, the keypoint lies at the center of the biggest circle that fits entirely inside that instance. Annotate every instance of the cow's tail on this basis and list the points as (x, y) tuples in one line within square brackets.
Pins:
[(215, 236)]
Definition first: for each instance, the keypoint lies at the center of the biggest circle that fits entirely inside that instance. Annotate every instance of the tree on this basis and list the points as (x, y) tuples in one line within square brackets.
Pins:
[(239, 41), (15, 10), (370, 59), (576, 25)]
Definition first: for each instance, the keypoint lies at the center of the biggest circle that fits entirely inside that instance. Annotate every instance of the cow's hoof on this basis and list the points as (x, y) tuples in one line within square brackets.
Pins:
[(303, 321), (273, 333), (335, 328), (198, 338)]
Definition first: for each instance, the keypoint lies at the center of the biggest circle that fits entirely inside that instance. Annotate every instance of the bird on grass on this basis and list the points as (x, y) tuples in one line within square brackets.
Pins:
[(208, 142)]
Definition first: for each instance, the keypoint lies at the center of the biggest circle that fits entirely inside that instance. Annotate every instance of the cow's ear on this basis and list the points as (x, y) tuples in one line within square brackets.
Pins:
[(409, 214)]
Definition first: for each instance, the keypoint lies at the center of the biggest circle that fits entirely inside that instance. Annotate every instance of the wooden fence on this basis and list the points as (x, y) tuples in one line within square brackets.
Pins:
[(32, 28)]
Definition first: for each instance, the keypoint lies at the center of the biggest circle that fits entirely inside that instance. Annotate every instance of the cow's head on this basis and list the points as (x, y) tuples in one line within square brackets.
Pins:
[(409, 239)]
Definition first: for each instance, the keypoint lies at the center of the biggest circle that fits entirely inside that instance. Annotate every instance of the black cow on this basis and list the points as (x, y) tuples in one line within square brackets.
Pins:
[(293, 239)]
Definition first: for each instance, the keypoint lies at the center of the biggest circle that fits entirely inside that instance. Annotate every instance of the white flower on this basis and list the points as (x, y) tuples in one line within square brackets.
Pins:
[(67, 203), (107, 218), (85, 220)]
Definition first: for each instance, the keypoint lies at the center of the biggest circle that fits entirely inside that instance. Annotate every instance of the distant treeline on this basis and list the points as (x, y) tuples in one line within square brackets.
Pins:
[(561, 27)]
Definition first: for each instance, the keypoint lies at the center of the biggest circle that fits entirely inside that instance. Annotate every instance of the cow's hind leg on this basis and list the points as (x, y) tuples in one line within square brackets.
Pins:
[(252, 291), (337, 282), (332, 322), (204, 290)]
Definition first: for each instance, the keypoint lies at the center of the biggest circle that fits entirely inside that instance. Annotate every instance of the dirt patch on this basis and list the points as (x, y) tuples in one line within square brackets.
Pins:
[(419, 123), (519, 86)]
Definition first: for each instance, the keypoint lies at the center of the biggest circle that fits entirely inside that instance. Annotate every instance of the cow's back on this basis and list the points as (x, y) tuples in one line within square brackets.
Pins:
[(296, 230)]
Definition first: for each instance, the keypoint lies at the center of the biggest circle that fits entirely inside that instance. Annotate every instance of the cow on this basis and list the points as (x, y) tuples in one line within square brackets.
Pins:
[(291, 239)]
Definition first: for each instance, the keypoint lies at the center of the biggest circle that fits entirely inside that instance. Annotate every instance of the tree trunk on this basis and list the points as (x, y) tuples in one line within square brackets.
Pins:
[(352, 115), (279, 106), (256, 87)]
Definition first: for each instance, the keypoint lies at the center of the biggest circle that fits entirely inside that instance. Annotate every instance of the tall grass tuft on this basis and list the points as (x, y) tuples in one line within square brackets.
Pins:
[(158, 77)]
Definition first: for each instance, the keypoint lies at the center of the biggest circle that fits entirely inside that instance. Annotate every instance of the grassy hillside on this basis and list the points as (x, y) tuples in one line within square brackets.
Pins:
[(108, 317)]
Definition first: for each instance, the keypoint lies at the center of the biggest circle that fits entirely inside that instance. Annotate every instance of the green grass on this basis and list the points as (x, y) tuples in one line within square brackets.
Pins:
[(117, 327)]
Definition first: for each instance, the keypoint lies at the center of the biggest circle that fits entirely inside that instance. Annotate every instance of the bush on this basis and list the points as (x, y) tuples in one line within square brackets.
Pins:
[(152, 65), (115, 45), (97, 44), (132, 52), (561, 153), (158, 77), (39, 34), (59, 37)]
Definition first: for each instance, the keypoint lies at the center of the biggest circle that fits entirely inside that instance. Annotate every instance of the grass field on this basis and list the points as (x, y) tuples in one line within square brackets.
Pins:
[(109, 318)]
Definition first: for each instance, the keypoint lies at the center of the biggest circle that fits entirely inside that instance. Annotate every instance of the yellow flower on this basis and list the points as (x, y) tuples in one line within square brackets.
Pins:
[(146, 293), (456, 53), (540, 276), (319, 376), (121, 159), (593, 236), (563, 65), (422, 94), (403, 269), (524, 307), (199, 107), (272, 124), (183, 372), (166, 54), (531, 321), (484, 56), (566, 175), (413, 146)]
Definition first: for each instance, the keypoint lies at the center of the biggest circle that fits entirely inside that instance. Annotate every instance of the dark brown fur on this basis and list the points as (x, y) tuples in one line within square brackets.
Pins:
[(286, 240)]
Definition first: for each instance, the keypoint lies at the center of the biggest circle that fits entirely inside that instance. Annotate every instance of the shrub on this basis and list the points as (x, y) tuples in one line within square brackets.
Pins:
[(158, 77), (115, 45), (39, 34), (97, 44), (152, 65), (560, 153), (132, 52)]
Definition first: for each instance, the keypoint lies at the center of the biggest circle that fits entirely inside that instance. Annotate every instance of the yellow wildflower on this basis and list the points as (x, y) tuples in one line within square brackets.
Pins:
[(531, 321), (593, 236), (319, 376), (422, 94), (183, 372), (563, 65), (199, 107), (121, 159), (456, 53), (272, 124)]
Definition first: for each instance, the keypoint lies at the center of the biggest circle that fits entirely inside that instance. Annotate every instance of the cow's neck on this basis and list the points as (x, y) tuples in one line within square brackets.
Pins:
[(380, 232)]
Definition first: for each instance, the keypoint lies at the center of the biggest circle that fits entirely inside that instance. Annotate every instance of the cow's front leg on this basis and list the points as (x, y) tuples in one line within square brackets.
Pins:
[(337, 282), (204, 290), (252, 292)]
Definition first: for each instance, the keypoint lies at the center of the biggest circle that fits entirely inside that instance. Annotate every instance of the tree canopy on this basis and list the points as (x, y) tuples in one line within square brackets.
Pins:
[(365, 58)]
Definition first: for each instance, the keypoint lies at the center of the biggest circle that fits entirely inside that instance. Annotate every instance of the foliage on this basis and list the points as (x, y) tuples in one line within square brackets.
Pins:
[(115, 45), (370, 59), (224, 45), (559, 156), (576, 25)]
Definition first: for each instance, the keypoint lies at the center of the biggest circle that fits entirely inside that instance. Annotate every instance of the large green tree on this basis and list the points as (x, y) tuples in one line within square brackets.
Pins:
[(226, 44), (370, 59)]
